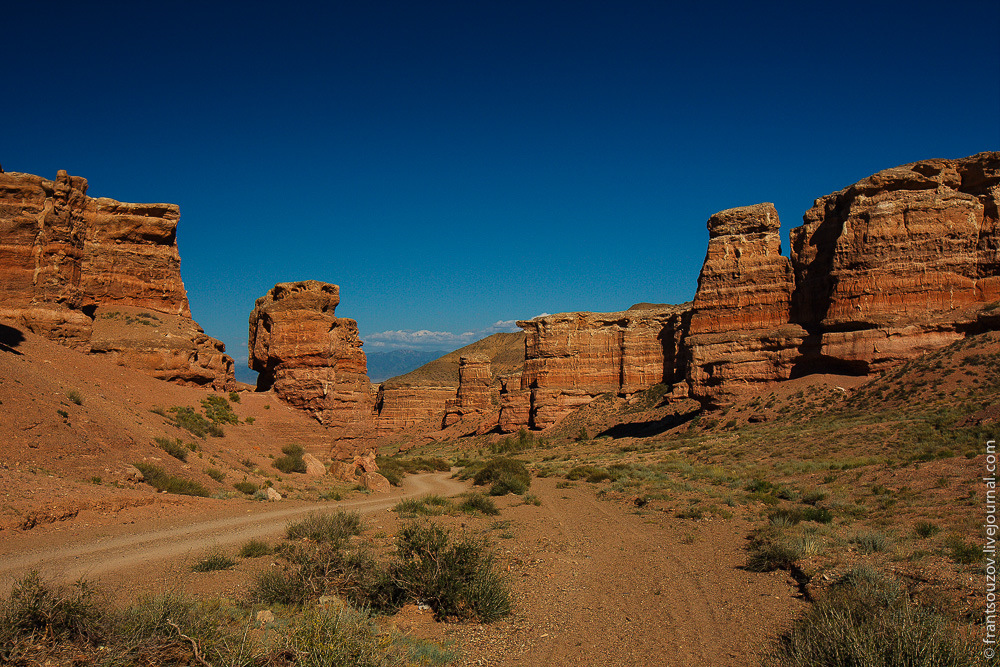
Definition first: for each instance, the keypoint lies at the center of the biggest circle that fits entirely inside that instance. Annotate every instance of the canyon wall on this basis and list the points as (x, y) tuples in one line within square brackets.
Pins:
[(310, 357), (900, 263), (65, 258)]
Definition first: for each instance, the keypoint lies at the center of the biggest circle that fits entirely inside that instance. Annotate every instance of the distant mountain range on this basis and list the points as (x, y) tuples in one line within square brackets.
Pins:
[(385, 365)]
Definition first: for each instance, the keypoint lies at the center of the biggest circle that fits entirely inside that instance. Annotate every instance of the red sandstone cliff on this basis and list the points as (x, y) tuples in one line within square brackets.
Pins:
[(311, 358), (66, 257)]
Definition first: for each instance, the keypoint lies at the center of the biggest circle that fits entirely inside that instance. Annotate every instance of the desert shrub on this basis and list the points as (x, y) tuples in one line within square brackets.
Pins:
[(423, 506), (160, 480), (871, 542), (218, 410), (292, 460), (215, 474), (214, 561), (925, 529), (793, 515), (35, 607), (814, 496), (255, 549), (395, 468), (194, 423), (458, 578), (771, 548), (867, 620), (234, 397), (74, 396), (475, 502), (963, 552), (505, 475), (335, 528), (249, 488), (175, 447), (523, 441), (588, 472)]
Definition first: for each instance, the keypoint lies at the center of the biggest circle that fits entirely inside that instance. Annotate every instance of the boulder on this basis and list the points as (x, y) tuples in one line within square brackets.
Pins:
[(272, 495), (314, 467), (375, 482)]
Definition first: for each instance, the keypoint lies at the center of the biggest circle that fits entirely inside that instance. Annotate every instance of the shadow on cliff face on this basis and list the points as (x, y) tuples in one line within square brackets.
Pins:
[(649, 428), (10, 338)]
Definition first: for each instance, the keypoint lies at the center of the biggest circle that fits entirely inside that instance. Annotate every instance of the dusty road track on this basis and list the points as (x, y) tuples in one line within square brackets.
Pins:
[(143, 549)]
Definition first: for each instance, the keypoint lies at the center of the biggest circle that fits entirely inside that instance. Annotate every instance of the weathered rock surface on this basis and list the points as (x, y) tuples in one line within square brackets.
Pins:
[(310, 357), (420, 397), (473, 397), (739, 335), (572, 358), (64, 256), (898, 263)]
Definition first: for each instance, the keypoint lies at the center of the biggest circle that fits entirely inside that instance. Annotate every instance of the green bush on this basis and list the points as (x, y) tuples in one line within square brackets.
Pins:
[(475, 502), (255, 549), (424, 506), (191, 421), (335, 528), (218, 410), (457, 578), (925, 529), (866, 620), (505, 475), (160, 480), (74, 396), (36, 608), (215, 474), (249, 488), (234, 397), (175, 448), (871, 542), (963, 552), (214, 561), (791, 516), (395, 468), (292, 460)]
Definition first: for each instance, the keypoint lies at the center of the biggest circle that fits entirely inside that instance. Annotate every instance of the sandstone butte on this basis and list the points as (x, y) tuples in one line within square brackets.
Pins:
[(310, 357), (103, 277)]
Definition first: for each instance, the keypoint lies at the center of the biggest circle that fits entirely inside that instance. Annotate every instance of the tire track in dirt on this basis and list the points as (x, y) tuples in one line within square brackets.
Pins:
[(136, 551), (610, 586)]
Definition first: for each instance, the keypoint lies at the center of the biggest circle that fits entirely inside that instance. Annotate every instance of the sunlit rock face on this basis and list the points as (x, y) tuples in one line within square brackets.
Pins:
[(740, 336), (571, 358), (898, 263), (65, 256), (473, 396), (310, 357)]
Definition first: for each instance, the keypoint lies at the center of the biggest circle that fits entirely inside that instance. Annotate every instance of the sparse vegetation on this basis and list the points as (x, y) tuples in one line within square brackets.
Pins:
[(214, 561), (335, 528), (395, 468), (246, 487), (292, 460), (505, 476), (74, 396), (218, 409), (175, 447), (215, 474), (255, 549), (160, 480), (868, 621)]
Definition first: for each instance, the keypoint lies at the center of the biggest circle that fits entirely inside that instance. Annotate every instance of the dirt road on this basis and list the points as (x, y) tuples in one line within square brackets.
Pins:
[(144, 547)]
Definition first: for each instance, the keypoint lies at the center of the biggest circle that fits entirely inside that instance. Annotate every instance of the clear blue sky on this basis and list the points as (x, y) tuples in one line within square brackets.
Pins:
[(452, 165)]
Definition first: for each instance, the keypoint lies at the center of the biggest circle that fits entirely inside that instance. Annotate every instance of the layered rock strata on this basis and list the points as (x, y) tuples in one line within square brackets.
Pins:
[(420, 397), (571, 358), (739, 335), (473, 395), (898, 263), (64, 256), (310, 357)]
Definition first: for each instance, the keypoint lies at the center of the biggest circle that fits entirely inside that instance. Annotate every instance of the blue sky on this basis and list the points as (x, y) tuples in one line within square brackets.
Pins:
[(455, 166)]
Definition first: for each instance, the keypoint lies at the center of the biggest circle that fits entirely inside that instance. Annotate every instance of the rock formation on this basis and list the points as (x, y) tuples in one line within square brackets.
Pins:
[(65, 256), (420, 397), (572, 358), (739, 335), (473, 397), (898, 263), (312, 358)]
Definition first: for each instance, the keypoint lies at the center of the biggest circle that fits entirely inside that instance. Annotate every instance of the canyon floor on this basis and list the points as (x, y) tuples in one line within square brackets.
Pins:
[(631, 547)]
